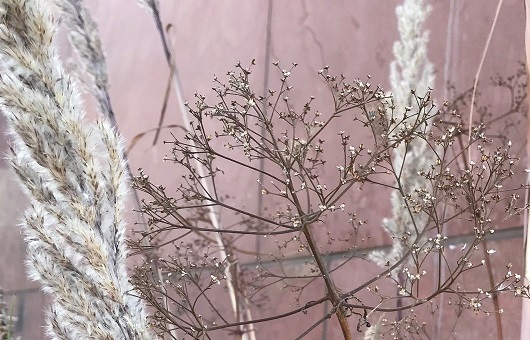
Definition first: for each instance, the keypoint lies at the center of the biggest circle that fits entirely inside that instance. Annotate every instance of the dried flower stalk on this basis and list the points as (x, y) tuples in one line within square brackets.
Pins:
[(227, 134)]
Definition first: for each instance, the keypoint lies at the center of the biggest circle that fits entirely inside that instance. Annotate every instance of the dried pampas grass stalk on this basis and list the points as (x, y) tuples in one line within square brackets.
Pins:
[(75, 176), (410, 70), (84, 37)]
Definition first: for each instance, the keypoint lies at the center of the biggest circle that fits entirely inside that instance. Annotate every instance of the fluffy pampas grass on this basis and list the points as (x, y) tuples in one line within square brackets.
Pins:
[(75, 176), (410, 70)]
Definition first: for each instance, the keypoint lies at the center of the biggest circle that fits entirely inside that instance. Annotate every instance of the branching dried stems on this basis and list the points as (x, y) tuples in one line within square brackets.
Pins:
[(302, 202), (75, 176)]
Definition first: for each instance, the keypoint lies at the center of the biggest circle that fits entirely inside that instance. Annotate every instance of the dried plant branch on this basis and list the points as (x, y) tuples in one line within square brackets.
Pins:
[(76, 177), (292, 147)]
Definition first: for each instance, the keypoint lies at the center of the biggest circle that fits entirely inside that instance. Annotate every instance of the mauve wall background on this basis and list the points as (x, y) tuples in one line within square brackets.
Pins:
[(352, 37)]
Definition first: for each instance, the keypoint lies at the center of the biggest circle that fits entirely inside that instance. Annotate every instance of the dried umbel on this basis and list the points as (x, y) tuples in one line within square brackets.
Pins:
[(75, 176), (310, 196)]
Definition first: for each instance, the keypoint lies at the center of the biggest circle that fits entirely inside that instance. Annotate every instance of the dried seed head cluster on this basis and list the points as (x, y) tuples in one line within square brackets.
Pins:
[(308, 212)]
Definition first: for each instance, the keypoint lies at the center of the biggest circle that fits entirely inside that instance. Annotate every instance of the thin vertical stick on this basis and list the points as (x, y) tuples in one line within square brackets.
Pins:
[(268, 43), (470, 126), (525, 313), (479, 69), (246, 334)]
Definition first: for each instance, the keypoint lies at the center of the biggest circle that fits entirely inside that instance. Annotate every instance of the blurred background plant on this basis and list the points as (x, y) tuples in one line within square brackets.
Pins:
[(411, 72), (7, 320)]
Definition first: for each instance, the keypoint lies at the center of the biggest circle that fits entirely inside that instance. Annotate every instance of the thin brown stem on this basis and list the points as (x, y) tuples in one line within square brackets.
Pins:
[(494, 295)]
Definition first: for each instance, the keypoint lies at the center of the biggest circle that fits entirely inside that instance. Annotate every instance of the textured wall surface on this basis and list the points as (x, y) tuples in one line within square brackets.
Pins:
[(354, 38)]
